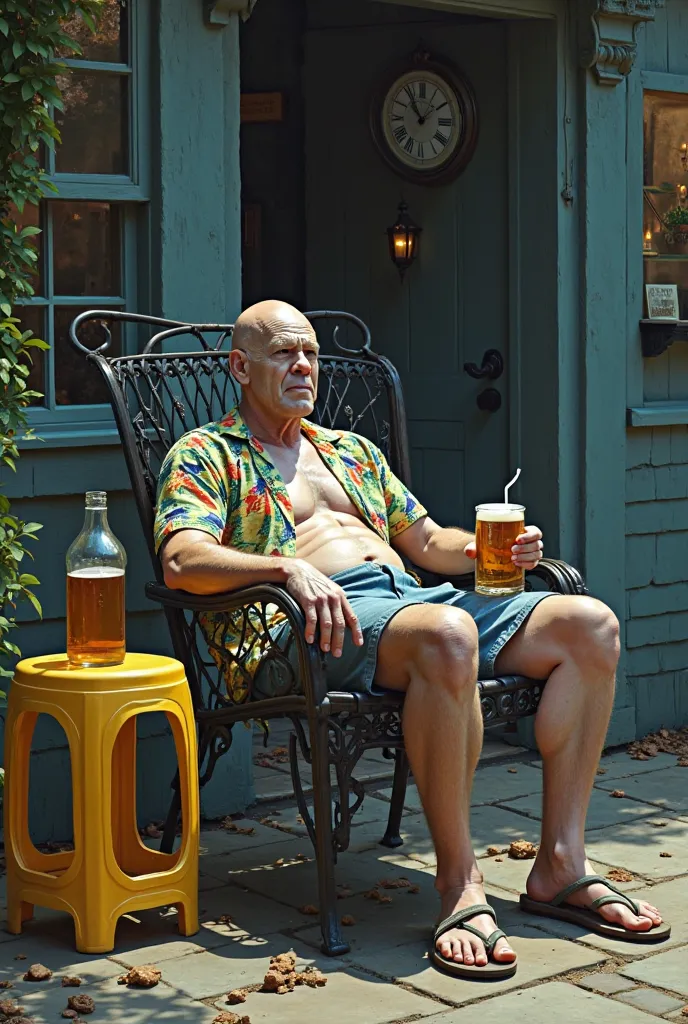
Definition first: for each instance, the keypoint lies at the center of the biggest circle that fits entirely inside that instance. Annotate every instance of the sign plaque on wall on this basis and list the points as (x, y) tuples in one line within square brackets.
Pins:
[(261, 107)]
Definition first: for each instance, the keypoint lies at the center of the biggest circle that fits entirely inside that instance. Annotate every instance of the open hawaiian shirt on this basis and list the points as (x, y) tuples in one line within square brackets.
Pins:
[(219, 479)]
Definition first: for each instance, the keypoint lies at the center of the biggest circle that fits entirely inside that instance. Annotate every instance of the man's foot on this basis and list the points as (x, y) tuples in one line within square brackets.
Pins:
[(551, 874), (462, 946)]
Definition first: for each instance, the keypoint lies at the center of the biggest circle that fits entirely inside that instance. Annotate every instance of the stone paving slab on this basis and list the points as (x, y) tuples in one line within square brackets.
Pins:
[(413, 831), (221, 841), (539, 957), (213, 973), (606, 984), (493, 784), (350, 997), (638, 844), (542, 1004), (668, 789), (666, 970), (296, 883), (604, 809), (619, 765), (669, 897), (371, 810), (116, 1004), (651, 1001), (490, 826)]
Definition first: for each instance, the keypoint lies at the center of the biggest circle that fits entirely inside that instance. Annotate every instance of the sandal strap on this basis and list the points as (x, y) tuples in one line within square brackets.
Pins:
[(463, 915), (618, 898), (582, 883), (489, 941)]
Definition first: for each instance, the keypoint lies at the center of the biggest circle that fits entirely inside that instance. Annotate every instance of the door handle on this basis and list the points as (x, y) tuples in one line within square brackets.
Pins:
[(491, 367)]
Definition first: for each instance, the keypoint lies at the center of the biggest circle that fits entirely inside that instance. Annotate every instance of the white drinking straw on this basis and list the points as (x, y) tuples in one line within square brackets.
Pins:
[(506, 489)]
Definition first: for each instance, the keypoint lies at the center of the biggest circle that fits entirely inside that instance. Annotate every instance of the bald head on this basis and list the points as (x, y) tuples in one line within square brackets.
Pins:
[(265, 323), (275, 359)]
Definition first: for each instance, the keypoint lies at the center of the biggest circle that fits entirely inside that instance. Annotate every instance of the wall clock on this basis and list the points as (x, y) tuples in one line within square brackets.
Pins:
[(424, 120)]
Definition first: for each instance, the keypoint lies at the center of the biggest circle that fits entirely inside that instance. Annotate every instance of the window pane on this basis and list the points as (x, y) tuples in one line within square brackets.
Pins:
[(86, 248), (77, 381), (665, 213), (94, 124), (32, 216), (33, 319), (108, 43)]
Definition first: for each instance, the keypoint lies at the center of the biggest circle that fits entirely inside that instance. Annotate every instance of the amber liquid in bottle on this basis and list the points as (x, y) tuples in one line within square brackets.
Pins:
[(95, 616), (96, 563)]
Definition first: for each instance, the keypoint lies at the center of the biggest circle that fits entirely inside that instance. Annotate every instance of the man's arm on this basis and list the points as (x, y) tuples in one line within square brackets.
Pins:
[(451, 551), (195, 561)]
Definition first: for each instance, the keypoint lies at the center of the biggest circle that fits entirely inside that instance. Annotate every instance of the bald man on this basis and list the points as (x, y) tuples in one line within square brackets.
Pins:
[(266, 496)]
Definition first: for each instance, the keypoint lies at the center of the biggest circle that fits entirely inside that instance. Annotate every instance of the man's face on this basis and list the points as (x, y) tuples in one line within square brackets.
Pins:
[(283, 371)]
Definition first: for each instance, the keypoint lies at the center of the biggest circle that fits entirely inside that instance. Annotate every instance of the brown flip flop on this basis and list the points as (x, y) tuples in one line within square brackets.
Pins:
[(587, 917), (491, 970)]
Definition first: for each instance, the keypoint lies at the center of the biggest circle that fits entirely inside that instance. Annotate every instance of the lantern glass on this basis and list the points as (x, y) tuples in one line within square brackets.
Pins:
[(404, 237)]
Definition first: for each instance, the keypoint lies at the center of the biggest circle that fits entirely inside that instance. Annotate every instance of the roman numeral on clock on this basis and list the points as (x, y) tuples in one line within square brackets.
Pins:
[(409, 145), (441, 138), (400, 133), (446, 122)]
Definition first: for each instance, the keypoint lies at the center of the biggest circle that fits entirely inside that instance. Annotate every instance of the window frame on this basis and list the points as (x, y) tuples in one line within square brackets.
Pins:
[(94, 424)]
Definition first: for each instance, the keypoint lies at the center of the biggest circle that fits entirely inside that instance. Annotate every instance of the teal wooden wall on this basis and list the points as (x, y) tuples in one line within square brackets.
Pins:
[(194, 272), (656, 457)]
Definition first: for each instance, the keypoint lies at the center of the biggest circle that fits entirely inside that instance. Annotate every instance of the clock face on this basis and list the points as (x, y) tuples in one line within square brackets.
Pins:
[(422, 120)]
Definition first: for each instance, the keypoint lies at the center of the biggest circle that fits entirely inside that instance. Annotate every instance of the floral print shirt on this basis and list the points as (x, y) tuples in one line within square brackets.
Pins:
[(219, 479)]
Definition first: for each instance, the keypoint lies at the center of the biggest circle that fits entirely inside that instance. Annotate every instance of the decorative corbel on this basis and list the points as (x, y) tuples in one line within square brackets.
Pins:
[(220, 12), (608, 35)]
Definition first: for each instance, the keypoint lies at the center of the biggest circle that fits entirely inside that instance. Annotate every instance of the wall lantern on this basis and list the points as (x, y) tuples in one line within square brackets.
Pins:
[(404, 239)]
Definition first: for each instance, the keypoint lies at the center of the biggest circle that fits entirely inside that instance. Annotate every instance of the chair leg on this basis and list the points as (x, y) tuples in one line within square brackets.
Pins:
[(169, 831), (391, 837), (332, 942)]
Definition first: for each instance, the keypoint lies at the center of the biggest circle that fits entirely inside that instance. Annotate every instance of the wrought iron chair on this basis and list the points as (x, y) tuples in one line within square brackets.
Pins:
[(159, 395)]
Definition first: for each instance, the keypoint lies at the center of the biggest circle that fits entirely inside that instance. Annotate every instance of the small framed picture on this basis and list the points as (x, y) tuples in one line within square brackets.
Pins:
[(662, 301)]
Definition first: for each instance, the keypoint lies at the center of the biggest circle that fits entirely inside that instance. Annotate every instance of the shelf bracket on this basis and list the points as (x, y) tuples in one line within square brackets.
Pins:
[(608, 35), (658, 335)]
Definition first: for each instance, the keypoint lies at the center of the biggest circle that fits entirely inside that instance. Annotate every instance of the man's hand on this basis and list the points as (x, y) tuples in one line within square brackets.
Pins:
[(324, 604), (526, 552)]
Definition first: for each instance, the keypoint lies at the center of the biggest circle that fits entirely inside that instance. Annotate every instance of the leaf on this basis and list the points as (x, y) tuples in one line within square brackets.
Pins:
[(34, 601), (4, 27), (27, 580)]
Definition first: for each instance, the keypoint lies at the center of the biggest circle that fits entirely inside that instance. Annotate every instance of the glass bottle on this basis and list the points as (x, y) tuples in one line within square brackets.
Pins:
[(95, 590)]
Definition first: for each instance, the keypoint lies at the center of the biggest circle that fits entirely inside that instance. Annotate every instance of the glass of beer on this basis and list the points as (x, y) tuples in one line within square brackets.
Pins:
[(496, 528)]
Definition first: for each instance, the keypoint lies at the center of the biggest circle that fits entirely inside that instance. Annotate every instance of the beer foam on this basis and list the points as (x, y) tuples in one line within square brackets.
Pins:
[(96, 572), (500, 513)]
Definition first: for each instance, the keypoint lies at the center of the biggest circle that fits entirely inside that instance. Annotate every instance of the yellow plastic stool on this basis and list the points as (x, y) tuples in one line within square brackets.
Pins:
[(110, 872)]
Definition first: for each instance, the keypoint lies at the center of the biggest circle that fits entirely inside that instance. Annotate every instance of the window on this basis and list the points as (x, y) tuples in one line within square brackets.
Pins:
[(665, 191), (94, 228)]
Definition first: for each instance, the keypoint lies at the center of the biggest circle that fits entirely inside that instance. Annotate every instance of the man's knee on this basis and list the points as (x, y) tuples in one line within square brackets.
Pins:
[(447, 649), (590, 631)]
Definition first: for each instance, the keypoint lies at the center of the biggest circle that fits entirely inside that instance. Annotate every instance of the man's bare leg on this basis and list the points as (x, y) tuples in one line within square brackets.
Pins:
[(431, 653), (573, 643)]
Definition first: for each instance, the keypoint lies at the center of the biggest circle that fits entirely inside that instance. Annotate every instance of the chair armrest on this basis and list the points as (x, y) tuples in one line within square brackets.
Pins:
[(560, 577), (254, 598)]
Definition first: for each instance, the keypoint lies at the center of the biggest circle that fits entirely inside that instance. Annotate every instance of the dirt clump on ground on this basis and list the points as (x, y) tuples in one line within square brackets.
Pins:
[(309, 909), (620, 875), (238, 995), (10, 1008), (375, 894), (618, 793), (521, 849), (141, 977), (665, 741), (227, 1017), (81, 1003), (282, 976), (37, 972), (70, 982)]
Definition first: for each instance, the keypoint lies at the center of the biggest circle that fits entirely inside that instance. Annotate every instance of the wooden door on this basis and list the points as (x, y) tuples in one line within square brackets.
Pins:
[(453, 303)]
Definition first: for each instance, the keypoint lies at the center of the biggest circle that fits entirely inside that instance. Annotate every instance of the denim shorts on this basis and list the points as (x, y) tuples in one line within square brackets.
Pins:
[(376, 592)]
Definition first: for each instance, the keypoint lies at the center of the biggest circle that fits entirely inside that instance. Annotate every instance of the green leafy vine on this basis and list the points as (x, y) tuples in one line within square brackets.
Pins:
[(34, 34)]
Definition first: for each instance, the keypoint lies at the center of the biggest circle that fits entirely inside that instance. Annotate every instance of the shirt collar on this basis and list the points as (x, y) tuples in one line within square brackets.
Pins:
[(233, 423)]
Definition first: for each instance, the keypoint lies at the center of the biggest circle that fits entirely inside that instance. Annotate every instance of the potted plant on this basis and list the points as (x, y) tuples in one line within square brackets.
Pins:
[(676, 224)]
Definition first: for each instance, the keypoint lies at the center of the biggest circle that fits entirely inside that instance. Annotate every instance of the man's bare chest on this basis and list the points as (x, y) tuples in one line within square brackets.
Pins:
[(311, 485)]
